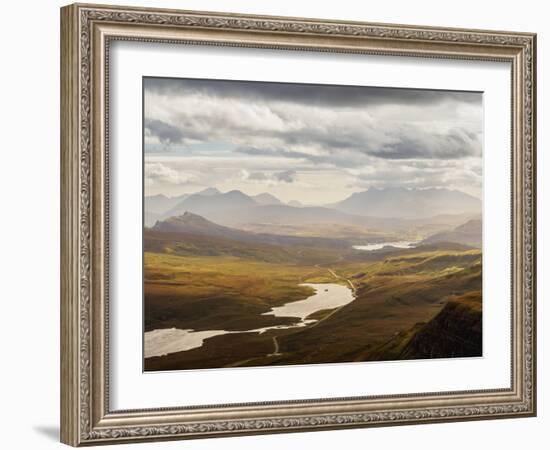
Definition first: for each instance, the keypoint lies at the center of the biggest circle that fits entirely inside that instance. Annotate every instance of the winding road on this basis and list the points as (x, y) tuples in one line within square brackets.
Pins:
[(351, 285), (276, 345)]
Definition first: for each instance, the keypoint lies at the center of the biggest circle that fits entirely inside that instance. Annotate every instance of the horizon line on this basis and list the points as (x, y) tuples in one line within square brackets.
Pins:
[(312, 204)]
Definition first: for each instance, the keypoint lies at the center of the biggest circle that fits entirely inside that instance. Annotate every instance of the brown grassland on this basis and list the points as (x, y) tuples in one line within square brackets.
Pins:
[(413, 303)]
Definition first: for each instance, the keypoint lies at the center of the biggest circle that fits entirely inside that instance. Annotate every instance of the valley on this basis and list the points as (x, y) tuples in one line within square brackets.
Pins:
[(221, 296)]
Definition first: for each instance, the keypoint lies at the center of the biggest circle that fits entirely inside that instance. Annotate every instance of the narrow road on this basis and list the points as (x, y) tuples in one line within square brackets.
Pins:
[(239, 363), (276, 345), (351, 285), (244, 361)]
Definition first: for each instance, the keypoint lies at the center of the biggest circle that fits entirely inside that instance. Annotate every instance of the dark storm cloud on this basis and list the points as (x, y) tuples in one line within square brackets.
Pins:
[(165, 132), (307, 94), (455, 144)]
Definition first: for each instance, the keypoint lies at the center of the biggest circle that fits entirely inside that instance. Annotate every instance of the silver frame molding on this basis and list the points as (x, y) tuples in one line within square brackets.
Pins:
[(86, 33)]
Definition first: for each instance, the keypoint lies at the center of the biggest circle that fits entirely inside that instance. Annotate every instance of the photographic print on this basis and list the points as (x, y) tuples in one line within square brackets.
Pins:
[(294, 224)]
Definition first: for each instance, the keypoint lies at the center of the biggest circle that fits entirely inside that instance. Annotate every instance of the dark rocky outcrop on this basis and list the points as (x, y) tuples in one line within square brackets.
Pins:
[(455, 332)]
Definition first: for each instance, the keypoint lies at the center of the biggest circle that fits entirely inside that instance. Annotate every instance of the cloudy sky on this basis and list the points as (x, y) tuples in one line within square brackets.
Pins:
[(312, 143)]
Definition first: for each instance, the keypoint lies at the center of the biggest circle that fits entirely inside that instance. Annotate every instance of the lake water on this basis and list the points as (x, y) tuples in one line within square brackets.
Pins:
[(380, 245), (327, 296), (171, 340)]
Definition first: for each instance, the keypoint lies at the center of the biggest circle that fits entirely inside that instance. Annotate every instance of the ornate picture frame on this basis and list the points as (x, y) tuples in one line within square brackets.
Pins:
[(87, 32)]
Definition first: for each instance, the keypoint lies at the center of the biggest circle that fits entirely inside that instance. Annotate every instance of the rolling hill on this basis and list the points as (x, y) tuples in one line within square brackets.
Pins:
[(195, 225), (291, 215), (469, 233)]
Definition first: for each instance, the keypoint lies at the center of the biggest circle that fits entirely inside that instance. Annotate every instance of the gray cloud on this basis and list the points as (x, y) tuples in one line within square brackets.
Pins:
[(165, 132), (296, 129), (259, 176), (163, 173), (457, 143), (288, 176), (265, 133), (311, 94), (413, 175), (355, 147), (284, 176)]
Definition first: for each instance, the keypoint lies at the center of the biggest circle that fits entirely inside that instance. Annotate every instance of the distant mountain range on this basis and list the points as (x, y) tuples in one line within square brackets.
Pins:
[(370, 208), (158, 207), (206, 204), (266, 199), (408, 203), (235, 209), (469, 233), (295, 203), (160, 204)]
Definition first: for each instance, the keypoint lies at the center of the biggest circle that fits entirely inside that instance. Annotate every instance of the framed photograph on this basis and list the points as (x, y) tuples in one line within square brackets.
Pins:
[(276, 224)]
